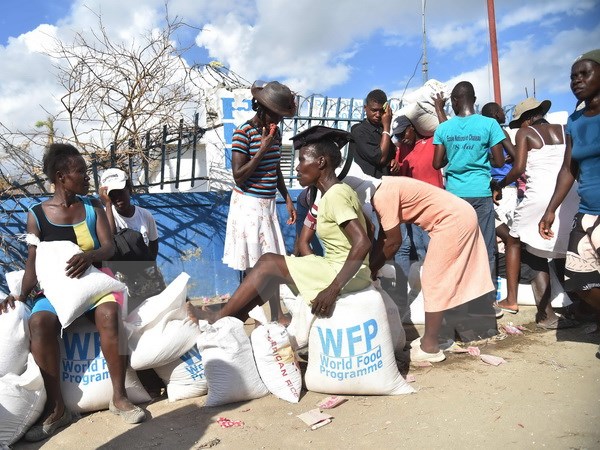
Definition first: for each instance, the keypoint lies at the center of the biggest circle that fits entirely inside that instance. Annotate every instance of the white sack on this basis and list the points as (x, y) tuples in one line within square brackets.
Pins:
[(394, 322), (415, 313), (275, 358), (420, 107), (162, 343), (153, 309), (185, 376), (70, 297), (22, 400), (14, 339), (228, 363), (299, 328), (14, 280), (352, 351), (84, 379)]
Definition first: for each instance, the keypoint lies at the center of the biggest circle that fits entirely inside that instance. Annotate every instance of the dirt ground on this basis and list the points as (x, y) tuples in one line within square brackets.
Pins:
[(547, 395)]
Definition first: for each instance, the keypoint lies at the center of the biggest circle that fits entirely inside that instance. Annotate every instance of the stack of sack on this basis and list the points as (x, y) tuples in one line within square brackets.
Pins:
[(22, 393), (418, 107), (162, 337)]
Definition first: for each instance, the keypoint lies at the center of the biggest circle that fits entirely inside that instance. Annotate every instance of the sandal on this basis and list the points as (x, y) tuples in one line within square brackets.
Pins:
[(559, 323), (418, 354), (135, 415), (45, 430)]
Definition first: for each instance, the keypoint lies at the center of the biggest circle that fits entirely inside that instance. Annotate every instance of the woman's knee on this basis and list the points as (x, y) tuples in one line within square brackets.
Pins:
[(43, 325), (107, 316)]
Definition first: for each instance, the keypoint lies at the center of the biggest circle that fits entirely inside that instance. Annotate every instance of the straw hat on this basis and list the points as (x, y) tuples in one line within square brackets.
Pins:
[(528, 105)]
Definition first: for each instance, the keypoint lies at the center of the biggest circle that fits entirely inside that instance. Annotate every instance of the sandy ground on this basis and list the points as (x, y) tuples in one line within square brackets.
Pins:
[(547, 395)]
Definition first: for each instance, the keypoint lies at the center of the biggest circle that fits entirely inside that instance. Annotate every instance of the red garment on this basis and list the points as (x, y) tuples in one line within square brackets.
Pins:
[(417, 162)]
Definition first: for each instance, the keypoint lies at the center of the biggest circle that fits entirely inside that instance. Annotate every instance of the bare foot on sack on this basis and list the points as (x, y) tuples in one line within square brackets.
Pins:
[(284, 320), (196, 314)]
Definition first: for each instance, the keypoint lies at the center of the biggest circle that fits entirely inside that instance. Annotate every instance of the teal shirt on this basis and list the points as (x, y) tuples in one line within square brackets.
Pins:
[(467, 141)]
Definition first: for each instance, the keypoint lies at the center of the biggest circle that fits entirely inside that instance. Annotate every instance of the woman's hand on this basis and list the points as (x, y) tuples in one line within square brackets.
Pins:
[(289, 204), (78, 264), (10, 301), (324, 303), (104, 198), (545, 225)]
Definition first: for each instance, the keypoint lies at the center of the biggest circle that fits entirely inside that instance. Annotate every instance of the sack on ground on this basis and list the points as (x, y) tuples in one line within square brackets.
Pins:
[(184, 377), (163, 343), (275, 358), (393, 315), (14, 339), (84, 378), (153, 309), (70, 297), (159, 330), (415, 312), (299, 328), (22, 400), (351, 352), (228, 363)]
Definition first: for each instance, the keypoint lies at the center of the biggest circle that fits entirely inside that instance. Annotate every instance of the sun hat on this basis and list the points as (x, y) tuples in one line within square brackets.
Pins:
[(275, 96), (527, 105), (113, 179), (320, 133), (592, 55)]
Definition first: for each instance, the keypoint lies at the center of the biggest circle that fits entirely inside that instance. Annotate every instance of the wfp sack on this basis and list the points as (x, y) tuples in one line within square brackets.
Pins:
[(415, 313), (70, 297), (299, 328), (275, 358), (352, 352), (420, 108), (185, 376), (22, 400), (14, 339), (393, 317), (228, 363), (84, 379)]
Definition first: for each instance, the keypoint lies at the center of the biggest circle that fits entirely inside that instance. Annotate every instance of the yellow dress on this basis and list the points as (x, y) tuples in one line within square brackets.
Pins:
[(312, 274)]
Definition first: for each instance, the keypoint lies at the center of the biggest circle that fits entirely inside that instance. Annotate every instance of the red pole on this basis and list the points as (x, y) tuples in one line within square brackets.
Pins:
[(494, 50)]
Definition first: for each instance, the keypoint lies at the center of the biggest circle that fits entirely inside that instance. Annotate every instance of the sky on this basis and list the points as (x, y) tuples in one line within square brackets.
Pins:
[(341, 48)]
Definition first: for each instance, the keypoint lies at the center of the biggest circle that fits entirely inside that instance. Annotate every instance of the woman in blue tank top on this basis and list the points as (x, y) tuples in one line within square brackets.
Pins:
[(67, 216)]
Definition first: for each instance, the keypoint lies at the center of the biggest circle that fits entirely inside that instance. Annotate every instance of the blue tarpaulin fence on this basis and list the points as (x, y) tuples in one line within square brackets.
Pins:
[(192, 234)]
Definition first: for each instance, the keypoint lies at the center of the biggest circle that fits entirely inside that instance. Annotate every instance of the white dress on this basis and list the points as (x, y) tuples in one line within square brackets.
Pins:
[(541, 171)]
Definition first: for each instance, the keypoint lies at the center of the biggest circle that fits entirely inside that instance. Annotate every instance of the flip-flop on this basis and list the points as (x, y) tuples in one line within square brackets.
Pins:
[(507, 310), (559, 323)]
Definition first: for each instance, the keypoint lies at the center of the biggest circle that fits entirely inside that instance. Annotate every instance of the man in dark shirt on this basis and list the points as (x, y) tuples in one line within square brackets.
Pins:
[(372, 147)]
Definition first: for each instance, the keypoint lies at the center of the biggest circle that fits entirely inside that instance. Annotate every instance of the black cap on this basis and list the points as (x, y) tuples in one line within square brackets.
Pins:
[(320, 133)]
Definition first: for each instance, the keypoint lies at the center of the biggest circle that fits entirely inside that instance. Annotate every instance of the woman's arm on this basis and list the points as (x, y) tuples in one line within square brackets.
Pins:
[(324, 301), (519, 162), (303, 246), (289, 204), (243, 166), (30, 276), (567, 175), (79, 263), (387, 244), (107, 203)]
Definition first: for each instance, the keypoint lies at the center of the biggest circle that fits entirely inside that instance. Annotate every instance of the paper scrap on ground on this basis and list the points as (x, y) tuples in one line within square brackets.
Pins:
[(314, 417), (228, 423), (331, 402), (493, 360), (473, 351), (509, 328)]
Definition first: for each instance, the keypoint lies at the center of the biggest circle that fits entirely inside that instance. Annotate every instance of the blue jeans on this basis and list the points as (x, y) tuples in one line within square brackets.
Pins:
[(484, 207), (415, 241)]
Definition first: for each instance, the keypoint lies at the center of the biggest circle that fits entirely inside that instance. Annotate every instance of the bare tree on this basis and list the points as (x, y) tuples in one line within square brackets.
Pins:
[(115, 91)]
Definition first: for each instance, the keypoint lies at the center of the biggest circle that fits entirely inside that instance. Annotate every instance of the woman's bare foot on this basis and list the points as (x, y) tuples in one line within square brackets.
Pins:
[(284, 320), (505, 306), (196, 314)]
